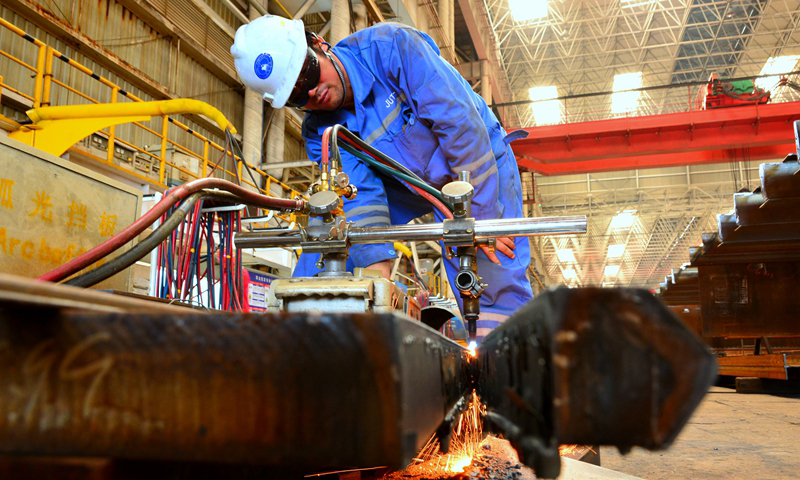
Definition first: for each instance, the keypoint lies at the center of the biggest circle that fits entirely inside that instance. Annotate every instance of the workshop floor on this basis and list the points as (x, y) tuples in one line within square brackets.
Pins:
[(731, 435)]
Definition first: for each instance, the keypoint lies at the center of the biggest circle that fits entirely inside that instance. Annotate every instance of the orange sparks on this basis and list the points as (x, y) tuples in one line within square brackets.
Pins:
[(472, 349), (464, 444)]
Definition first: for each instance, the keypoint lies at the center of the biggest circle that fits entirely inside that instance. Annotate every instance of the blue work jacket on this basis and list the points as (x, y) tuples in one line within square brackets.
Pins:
[(416, 108)]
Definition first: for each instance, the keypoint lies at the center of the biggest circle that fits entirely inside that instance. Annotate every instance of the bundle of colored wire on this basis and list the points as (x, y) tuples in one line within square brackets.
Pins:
[(230, 264), (186, 273)]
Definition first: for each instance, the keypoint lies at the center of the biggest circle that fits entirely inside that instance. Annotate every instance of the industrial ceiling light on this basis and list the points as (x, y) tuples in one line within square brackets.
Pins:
[(546, 110), (527, 10), (623, 219), (784, 64), (623, 101), (565, 255), (615, 251), (569, 274), (635, 3), (611, 270)]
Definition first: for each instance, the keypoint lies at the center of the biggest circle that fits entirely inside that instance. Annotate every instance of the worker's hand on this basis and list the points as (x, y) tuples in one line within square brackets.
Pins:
[(505, 245), (385, 267)]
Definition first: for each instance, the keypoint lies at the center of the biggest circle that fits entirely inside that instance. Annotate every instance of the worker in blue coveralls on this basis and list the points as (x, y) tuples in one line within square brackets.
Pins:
[(388, 85)]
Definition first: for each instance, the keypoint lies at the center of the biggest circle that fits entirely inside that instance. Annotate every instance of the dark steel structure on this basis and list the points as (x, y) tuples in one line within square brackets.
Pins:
[(744, 279), (591, 366), (310, 391)]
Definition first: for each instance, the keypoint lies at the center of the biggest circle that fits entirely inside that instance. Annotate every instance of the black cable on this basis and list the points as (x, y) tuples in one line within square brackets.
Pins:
[(152, 241), (238, 151)]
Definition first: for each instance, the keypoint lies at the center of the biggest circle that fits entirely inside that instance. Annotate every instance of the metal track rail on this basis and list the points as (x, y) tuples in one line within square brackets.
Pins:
[(506, 227)]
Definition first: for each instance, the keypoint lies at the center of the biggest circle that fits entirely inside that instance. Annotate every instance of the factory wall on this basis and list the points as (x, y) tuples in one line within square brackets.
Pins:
[(156, 54)]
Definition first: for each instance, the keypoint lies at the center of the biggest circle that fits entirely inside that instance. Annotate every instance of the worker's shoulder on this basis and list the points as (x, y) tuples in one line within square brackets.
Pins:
[(384, 32)]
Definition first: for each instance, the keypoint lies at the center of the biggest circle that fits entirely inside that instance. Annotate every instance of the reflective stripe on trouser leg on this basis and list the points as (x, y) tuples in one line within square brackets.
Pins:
[(487, 322)]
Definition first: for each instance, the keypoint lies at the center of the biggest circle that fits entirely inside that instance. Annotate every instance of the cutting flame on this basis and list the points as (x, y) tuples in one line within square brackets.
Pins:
[(473, 346), (460, 464)]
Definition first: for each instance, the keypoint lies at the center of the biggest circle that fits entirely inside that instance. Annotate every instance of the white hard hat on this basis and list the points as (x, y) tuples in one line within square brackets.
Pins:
[(268, 54)]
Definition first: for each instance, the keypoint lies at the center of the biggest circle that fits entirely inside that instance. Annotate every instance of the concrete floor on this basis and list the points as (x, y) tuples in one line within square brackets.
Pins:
[(730, 435)]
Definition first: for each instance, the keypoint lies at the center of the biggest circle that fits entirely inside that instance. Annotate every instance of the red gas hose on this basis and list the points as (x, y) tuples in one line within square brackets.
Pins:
[(170, 199)]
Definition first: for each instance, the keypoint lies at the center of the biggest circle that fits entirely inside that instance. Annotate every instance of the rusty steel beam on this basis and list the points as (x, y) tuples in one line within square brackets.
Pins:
[(762, 366), (591, 366), (304, 391), (29, 293)]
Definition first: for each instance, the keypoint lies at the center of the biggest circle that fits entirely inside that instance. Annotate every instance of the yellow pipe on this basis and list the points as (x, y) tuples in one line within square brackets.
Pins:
[(284, 10), (403, 249), (162, 107)]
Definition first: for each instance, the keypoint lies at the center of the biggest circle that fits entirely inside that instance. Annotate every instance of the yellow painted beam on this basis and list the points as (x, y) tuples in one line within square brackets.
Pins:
[(57, 136), (373, 10), (55, 129), (162, 107)]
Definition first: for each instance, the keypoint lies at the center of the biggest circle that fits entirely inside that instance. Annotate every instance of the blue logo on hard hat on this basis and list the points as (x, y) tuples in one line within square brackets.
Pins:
[(263, 66)]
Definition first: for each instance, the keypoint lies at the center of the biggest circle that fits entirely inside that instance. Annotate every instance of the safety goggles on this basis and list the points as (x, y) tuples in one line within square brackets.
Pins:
[(308, 79)]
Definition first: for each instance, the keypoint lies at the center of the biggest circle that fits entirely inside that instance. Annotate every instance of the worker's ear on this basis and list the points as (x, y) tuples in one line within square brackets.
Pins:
[(315, 41)]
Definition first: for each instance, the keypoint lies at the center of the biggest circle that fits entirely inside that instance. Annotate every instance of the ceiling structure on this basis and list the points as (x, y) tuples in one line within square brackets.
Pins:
[(578, 48), (581, 45)]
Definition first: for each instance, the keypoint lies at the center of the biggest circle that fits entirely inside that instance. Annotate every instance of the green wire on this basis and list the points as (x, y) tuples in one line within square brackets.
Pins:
[(387, 169)]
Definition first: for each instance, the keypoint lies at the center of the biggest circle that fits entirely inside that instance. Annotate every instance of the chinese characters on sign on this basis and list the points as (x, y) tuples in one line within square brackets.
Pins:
[(77, 215), (41, 207), (107, 225), (5, 193)]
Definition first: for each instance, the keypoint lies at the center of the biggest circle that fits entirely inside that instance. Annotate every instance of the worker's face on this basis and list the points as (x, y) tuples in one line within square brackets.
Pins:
[(327, 94)]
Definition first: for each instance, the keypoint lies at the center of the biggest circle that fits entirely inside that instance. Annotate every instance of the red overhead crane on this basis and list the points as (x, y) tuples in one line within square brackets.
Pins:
[(750, 132)]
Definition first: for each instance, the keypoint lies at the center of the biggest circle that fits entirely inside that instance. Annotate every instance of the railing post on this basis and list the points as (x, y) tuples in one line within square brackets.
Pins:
[(48, 76), (111, 130), (164, 131), (205, 158), (37, 87)]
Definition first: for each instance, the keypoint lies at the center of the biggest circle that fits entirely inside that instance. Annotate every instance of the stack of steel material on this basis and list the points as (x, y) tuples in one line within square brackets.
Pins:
[(749, 272), (749, 268), (680, 292)]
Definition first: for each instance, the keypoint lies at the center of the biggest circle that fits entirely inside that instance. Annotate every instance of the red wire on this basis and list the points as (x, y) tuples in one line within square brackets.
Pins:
[(192, 231), (325, 145), (158, 264), (435, 201)]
